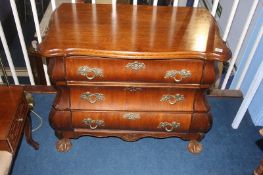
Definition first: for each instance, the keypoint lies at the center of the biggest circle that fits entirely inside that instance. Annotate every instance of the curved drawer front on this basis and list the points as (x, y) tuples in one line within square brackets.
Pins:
[(130, 98), (140, 121), (162, 71)]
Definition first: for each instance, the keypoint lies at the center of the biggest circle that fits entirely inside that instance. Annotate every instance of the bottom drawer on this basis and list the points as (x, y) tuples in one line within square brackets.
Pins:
[(140, 121), (134, 121)]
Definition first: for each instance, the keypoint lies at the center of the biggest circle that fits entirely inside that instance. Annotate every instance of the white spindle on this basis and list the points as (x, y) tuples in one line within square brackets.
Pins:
[(73, 1), (93, 1), (241, 40), (249, 59), (8, 55), (1, 81), (135, 2), (175, 3), (230, 19), (39, 38), (114, 2), (34, 10), (215, 4), (196, 2), (22, 41), (53, 5), (249, 96), (155, 2)]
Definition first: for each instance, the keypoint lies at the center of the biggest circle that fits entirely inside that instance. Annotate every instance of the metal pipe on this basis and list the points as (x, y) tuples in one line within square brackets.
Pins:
[(22, 41), (241, 40), (8, 55)]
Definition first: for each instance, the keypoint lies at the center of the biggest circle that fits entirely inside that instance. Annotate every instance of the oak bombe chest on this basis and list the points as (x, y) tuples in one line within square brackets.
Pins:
[(131, 71)]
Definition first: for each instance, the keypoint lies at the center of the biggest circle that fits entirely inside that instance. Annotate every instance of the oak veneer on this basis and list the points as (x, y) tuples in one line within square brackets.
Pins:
[(132, 71)]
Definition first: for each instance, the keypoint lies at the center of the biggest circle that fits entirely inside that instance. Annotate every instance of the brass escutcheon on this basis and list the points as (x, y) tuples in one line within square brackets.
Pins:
[(172, 99), (92, 98), (169, 127), (136, 66), (178, 75), (90, 73), (131, 116), (132, 89), (93, 124)]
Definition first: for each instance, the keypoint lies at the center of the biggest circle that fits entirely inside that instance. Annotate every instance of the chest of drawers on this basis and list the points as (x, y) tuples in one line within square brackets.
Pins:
[(132, 71)]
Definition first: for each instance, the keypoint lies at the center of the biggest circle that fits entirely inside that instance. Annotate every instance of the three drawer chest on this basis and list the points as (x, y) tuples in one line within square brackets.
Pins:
[(132, 71)]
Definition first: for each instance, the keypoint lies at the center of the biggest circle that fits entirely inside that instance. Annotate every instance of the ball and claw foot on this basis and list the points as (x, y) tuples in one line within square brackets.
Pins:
[(195, 147), (63, 145)]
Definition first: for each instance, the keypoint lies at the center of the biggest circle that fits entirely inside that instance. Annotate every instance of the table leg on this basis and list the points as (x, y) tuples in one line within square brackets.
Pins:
[(28, 133)]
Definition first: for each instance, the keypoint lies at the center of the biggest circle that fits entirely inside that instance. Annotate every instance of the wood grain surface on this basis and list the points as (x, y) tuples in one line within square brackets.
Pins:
[(126, 31)]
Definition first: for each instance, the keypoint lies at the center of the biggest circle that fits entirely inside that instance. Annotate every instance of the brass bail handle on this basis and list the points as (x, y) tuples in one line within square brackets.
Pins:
[(169, 127)]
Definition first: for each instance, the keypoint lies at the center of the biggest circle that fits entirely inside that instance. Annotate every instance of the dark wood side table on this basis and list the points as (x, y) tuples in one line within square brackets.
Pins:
[(14, 119)]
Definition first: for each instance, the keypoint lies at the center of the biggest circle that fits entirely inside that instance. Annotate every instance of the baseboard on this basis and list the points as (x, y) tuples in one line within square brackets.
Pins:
[(225, 93)]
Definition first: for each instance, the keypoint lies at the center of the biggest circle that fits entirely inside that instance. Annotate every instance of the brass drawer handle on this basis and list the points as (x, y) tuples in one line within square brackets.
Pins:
[(172, 99), (178, 75), (90, 73), (93, 124), (131, 116), (92, 98), (136, 66), (169, 126)]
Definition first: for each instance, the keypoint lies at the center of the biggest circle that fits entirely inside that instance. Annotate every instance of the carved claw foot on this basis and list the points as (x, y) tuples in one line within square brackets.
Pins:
[(195, 147), (259, 170), (261, 131), (63, 145)]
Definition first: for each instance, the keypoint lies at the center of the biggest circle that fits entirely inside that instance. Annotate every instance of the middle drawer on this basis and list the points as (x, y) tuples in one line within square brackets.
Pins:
[(134, 98)]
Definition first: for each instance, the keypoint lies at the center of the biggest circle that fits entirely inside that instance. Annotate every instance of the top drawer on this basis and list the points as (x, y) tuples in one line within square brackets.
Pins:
[(158, 71)]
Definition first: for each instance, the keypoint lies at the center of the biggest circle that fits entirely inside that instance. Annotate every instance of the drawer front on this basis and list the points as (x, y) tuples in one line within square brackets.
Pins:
[(131, 98), (162, 71), (140, 121), (17, 126)]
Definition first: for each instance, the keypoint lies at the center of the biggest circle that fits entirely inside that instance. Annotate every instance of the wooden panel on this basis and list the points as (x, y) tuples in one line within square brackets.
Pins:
[(142, 33), (130, 70)]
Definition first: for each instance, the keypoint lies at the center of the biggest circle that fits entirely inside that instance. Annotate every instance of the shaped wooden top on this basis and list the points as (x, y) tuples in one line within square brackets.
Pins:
[(126, 31)]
